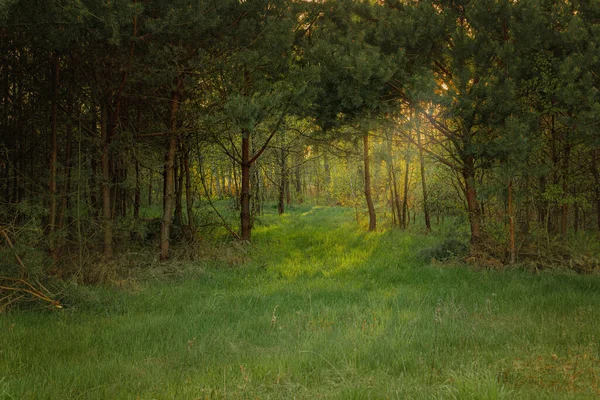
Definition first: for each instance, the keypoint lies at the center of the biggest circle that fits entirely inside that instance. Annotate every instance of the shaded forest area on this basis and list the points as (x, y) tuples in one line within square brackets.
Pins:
[(137, 123)]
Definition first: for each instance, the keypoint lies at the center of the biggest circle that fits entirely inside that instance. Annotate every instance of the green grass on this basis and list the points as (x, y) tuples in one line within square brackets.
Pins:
[(321, 310)]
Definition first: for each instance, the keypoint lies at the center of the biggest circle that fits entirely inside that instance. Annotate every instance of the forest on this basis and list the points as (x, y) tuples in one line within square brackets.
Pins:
[(367, 198)]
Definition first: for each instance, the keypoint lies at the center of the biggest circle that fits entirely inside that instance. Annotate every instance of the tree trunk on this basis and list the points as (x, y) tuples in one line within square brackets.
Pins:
[(423, 180), (471, 195), (65, 201), (137, 197), (596, 175), (179, 174), (282, 182), (53, 153), (565, 187), (236, 186), (511, 218), (105, 184), (298, 177), (189, 197), (150, 176), (245, 194), (165, 228), (396, 208), (370, 206), (404, 219)]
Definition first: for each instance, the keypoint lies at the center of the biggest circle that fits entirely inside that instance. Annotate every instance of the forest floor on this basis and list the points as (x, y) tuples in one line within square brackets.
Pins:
[(317, 308)]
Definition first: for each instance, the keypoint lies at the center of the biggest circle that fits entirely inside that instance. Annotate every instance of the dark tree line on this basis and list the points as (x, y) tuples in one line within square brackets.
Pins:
[(110, 106)]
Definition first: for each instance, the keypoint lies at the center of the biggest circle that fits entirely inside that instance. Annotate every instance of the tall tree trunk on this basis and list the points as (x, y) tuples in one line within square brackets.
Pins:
[(137, 197), (282, 182), (298, 177), (370, 206), (471, 195), (179, 174), (565, 187), (511, 218), (423, 180), (327, 172), (150, 176), (245, 194), (189, 197), (93, 178), (165, 228), (404, 219), (396, 208), (236, 185), (105, 183), (66, 192), (596, 175), (53, 152)]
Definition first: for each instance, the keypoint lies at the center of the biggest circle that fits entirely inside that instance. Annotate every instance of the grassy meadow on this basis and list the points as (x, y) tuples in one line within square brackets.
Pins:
[(317, 309)]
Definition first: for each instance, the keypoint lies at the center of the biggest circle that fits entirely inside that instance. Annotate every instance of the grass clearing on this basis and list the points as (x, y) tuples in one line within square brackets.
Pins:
[(322, 310)]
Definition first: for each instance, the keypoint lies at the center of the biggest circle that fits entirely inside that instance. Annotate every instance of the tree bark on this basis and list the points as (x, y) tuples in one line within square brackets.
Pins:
[(137, 197), (565, 188), (189, 196), (245, 193), (370, 206), (423, 180), (282, 182), (511, 218), (105, 183), (53, 152), (179, 174), (404, 219), (596, 175), (471, 195), (165, 228), (298, 177), (65, 200)]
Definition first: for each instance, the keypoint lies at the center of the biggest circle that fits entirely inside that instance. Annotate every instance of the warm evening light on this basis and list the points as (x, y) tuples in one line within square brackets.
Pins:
[(299, 199)]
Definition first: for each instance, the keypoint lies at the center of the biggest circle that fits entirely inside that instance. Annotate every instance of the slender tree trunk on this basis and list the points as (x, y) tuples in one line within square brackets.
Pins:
[(596, 175), (471, 195), (423, 180), (298, 177), (179, 173), (327, 173), (65, 200), (150, 176), (565, 187), (165, 228), (542, 204), (236, 186), (282, 182), (370, 206), (245, 194), (404, 219), (396, 208), (137, 198), (105, 183), (53, 152), (189, 197), (93, 179), (392, 202), (511, 218)]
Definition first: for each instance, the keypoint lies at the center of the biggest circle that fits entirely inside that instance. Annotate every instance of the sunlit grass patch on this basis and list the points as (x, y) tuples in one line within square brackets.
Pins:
[(320, 309)]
